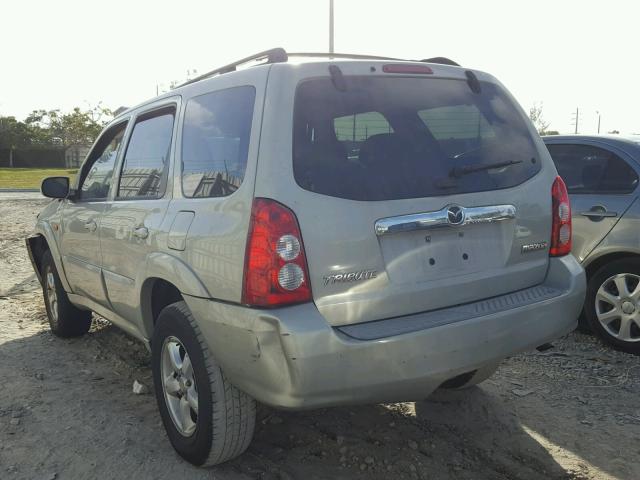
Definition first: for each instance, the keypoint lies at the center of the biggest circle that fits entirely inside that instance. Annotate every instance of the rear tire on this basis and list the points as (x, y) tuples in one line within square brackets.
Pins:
[(65, 319), (208, 420), (616, 320)]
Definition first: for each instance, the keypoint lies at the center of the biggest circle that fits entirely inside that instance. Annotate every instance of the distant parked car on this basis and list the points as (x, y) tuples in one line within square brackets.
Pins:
[(601, 174)]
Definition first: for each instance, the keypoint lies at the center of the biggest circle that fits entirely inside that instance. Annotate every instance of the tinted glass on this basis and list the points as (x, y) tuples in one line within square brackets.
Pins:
[(588, 169), (409, 134), (97, 181), (147, 156), (464, 122), (215, 142)]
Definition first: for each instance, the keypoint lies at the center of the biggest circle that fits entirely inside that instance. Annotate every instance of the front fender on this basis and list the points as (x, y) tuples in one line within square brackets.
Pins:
[(44, 230)]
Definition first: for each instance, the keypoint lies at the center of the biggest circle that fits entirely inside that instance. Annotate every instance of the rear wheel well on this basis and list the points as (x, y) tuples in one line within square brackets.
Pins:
[(157, 294), (594, 266)]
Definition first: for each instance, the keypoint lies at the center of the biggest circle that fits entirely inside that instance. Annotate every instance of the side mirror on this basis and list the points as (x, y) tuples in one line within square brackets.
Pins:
[(55, 187)]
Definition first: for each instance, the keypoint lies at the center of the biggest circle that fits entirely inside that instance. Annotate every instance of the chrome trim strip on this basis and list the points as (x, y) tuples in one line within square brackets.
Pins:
[(428, 220)]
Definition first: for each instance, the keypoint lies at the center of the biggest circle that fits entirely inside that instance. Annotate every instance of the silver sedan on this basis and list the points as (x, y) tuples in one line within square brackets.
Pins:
[(602, 175)]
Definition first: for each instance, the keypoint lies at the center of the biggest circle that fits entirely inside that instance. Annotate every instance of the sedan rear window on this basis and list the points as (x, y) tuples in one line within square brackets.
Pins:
[(404, 137)]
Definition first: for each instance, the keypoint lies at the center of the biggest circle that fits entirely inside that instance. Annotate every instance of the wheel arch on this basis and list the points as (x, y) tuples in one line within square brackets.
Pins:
[(39, 242), (155, 294), (36, 246), (591, 266), (166, 280)]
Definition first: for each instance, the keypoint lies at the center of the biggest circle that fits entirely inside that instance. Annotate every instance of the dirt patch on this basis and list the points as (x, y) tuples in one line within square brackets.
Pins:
[(67, 410)]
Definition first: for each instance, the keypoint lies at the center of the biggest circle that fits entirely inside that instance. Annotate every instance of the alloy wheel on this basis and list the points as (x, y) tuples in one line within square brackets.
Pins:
[(179, 385), (618, 306), (52, 296)]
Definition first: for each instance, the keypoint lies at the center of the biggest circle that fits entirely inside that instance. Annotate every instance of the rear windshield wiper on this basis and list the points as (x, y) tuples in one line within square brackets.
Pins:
[(457, 172)]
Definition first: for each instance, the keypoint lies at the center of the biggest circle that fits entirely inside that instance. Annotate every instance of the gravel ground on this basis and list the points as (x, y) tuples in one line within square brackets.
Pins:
[(67, 410)]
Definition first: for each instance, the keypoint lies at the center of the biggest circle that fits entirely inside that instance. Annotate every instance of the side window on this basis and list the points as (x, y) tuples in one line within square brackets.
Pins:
[(144, 170), (588, 169), (96, 181), (215, 142)]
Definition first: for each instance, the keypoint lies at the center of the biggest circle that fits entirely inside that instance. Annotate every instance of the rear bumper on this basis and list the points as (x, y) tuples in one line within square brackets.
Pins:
[(291, 357)]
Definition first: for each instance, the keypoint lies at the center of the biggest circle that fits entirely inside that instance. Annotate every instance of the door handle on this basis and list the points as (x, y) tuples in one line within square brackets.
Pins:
[(599, 214), (141, 232), (91, 225)]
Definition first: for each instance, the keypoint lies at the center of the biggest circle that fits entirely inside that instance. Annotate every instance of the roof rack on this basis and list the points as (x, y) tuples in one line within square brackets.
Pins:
[(441, 60), (275, 55), (279, 55), (342, 55)]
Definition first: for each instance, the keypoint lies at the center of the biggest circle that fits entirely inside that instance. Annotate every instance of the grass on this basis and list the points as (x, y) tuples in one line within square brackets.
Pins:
[(31, 177)]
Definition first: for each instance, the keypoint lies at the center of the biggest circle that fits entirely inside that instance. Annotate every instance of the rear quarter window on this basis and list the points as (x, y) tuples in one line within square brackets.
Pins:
[(215, 141), (386, 138)]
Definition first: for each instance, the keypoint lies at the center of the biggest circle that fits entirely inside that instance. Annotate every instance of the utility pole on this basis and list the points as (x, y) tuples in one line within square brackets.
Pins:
[(330, 26), (598, 121), (576, 119)]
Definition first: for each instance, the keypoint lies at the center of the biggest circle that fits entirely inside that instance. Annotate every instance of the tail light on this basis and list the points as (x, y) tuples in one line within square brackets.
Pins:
[(561, 226), (406, 68), (275, 266)]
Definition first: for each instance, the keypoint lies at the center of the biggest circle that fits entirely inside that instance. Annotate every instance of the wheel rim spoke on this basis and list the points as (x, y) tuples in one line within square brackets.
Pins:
[(52, 297), (621, 284), (608, 317), (171, 386), (192, 399), (625, 328), (174, 356), (635, 294), (607, 297), (185, 412), (187, 369)]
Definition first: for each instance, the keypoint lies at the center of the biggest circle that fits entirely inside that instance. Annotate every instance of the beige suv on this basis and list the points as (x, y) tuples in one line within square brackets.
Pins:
[(313, 233)]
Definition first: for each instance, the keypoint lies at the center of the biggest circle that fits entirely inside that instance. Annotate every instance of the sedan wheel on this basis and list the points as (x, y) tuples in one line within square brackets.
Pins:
[(617, 306)]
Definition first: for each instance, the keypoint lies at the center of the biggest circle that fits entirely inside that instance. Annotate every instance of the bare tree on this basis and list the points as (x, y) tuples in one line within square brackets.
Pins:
[(535, 114)]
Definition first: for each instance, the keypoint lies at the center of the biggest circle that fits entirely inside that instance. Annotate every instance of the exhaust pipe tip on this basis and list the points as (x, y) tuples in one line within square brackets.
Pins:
[(544, 347)]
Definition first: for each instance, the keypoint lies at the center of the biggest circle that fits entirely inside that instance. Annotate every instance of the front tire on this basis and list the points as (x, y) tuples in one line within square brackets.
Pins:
[(612, 305), (65, 319), (208, 420)]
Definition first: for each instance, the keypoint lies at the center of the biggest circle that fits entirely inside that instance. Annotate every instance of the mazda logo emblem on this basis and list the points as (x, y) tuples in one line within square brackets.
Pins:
[(455, 215)]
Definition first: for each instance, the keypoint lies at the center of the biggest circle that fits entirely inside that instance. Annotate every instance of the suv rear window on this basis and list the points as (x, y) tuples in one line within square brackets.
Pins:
[(401, 137)]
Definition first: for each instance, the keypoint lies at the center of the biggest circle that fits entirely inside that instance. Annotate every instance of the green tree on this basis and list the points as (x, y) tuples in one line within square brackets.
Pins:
[(78, 127), (535, 114), (14, 134)]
